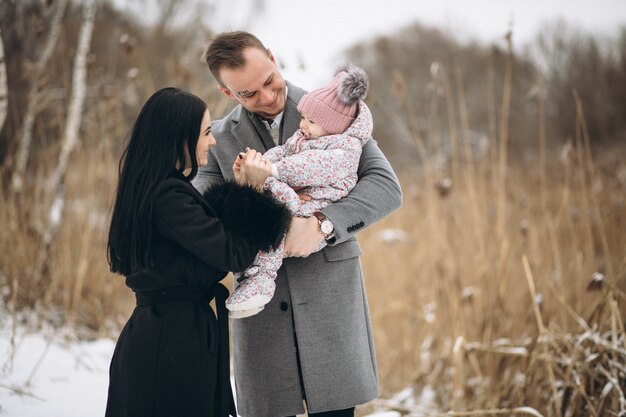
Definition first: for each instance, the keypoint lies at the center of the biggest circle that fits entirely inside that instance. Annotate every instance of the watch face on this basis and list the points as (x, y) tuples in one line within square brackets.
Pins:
[(326, 227)]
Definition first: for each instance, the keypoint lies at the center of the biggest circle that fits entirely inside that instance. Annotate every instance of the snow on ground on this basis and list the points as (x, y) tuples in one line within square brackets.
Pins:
[(52, 374), (49, 377)]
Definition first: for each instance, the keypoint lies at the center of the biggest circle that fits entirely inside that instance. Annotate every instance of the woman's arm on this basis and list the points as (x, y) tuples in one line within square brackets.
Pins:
[(179, 216)]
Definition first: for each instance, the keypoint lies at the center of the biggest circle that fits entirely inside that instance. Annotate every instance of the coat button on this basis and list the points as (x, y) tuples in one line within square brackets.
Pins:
[(284, 306)]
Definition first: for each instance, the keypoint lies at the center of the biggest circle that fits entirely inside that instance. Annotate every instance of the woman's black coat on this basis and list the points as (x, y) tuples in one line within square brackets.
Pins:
[(171, 358)]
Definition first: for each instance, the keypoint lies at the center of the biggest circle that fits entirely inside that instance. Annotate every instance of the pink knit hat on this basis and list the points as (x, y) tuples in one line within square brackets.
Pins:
[(335, 106)]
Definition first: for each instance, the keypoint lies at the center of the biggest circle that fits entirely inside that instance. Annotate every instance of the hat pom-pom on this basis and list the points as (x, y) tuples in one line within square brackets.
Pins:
[(354, 85)]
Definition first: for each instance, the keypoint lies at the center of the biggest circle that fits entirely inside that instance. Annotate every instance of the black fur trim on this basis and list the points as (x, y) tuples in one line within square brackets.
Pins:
[(247, 213)]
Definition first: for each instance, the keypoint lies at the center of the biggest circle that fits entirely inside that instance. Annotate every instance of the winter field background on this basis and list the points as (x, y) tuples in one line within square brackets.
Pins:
[(497, 289)]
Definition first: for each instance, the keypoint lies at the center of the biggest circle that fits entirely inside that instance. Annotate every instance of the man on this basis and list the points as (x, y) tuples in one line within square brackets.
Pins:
[(313, 341)]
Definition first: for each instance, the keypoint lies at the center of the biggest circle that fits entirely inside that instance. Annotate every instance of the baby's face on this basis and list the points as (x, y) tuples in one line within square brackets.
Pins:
[(310, 128)]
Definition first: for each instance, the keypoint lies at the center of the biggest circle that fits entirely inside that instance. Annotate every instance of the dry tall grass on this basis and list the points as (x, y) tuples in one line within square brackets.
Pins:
[(450, 298), (74, 285), (501, 285)]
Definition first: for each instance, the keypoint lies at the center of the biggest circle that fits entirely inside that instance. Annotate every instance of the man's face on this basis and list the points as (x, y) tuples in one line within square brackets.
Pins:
[(258, 85)]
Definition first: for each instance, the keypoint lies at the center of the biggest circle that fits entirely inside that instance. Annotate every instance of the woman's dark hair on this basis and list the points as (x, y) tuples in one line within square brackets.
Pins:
[(166, 130)]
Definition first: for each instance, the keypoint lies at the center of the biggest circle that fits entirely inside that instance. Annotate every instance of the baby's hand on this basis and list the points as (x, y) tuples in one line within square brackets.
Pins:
[(251, 168)]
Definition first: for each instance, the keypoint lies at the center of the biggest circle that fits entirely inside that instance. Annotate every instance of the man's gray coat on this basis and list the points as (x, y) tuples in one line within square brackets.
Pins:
[(319, 315)]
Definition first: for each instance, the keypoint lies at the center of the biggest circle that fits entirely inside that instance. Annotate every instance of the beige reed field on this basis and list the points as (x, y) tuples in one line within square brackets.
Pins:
[(498, 288), (497, 313)]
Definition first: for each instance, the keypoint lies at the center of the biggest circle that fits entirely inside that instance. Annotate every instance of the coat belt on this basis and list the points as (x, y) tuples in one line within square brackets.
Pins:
[(193, 294)]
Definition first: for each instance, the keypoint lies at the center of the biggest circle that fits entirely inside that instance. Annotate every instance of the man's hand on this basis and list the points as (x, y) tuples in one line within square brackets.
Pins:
[(304, 237)]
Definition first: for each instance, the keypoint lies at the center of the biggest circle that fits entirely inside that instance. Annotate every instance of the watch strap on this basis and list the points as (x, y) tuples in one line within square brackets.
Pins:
[(320, 219)]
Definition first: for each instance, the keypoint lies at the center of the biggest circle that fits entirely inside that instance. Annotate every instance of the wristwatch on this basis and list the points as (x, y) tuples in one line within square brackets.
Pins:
[(326, 226)]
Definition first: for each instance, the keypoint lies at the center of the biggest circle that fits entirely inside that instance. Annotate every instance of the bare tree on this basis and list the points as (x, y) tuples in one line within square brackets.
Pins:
[(31, 110), (168, 9), (70, 136), (79, 86), (4, 91)]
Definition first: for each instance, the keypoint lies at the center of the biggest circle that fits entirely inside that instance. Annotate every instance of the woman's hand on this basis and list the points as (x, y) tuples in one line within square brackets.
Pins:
[(240, 177), (252, 169)]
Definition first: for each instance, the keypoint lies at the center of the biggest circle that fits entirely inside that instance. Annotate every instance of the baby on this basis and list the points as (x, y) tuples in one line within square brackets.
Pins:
[(320, 160)]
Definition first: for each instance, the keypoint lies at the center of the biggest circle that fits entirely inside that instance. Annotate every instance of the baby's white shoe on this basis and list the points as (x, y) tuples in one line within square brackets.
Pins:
[(242, 314), (250, 295)]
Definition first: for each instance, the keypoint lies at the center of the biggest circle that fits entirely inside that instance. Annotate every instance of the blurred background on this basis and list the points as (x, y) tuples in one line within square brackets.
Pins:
[(497, 289)]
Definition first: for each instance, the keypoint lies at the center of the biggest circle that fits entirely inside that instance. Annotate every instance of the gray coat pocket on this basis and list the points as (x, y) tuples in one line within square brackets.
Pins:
[(346, 250)]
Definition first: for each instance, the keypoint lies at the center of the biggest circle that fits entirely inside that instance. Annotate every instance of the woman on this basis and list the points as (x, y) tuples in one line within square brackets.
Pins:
[(174, 246)]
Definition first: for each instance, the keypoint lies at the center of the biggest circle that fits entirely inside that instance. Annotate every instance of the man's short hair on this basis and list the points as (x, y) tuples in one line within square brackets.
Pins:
[(226, 51)]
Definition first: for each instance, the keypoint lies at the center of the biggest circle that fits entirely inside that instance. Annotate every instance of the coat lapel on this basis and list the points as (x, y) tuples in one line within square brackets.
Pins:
[(248, 134), (261, 130)]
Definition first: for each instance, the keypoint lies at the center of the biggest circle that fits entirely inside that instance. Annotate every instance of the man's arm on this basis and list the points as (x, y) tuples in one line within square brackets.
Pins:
[(375, 196)]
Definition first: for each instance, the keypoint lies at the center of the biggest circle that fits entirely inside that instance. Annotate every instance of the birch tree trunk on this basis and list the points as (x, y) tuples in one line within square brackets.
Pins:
[(70, 138), (4, 90), (26, 137), (79, 87)]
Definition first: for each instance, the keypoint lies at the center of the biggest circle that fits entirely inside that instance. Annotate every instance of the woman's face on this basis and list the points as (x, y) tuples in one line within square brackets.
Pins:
[(205, 140)]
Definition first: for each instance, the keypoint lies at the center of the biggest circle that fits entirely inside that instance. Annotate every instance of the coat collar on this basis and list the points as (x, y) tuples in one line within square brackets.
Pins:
[(249, 131)]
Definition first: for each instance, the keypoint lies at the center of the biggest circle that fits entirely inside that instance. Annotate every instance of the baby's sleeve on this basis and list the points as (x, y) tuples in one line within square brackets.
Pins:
[(320, 167), (275, 154)]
